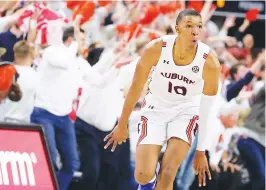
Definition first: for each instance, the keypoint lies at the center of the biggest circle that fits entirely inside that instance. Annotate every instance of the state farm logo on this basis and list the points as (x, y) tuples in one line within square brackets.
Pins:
[(19, 166)]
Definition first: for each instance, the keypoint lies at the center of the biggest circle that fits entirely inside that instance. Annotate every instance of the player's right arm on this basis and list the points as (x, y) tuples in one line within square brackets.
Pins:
[(148, 59)]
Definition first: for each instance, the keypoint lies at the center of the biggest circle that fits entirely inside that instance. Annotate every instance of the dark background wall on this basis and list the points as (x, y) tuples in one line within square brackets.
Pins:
[(238, 9), (257, 29)]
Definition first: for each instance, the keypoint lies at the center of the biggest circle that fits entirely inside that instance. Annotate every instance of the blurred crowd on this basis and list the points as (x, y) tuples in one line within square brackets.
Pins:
[(75, 61)]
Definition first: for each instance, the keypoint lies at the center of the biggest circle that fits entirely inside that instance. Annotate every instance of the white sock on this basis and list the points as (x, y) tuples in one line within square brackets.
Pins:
[(153, 179)]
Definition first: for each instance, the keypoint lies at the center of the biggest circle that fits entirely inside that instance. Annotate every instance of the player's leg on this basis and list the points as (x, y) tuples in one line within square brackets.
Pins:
[(175, 153), (146, 163), (186, 174), (152, 135), (181, 133)]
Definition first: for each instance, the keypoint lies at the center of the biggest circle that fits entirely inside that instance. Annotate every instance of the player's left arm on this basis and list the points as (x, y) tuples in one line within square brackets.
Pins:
[(211, 77)]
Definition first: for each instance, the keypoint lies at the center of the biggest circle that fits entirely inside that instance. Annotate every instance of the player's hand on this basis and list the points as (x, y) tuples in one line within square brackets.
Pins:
[(201, 167), (117, 136)]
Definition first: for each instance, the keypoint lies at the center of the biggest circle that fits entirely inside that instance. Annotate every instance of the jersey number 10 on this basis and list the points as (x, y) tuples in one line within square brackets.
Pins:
[(177, 89)]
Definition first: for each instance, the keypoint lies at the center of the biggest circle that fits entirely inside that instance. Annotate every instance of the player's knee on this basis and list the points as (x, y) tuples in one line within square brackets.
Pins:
[(143, 177)]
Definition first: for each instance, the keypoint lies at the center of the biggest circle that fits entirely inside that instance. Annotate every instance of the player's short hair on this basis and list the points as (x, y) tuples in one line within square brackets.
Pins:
[(22, 49), (186, 12)]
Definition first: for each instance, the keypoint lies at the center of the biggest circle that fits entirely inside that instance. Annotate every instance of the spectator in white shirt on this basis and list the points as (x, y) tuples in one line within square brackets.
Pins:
[(88, 75), (91, 75), (54, 98), (96, 116), (27, 80)]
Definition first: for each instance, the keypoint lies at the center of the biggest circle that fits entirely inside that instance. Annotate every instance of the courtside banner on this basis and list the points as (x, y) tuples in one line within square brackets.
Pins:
[(25, 163)]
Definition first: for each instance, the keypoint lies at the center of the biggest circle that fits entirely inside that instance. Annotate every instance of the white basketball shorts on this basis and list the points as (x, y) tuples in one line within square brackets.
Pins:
[(157, 126)]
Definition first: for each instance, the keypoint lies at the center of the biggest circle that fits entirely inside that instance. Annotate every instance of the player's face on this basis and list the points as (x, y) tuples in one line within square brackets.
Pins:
[(190, 28)]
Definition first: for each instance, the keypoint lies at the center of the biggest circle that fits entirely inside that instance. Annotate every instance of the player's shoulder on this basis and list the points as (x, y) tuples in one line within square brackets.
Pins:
[(153, 44), (154, 47), (212, 61), (159, 42)]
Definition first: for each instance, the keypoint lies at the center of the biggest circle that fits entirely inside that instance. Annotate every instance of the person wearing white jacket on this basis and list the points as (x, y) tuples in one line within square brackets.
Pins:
[(28, 80), (53, 103), (96, 115)]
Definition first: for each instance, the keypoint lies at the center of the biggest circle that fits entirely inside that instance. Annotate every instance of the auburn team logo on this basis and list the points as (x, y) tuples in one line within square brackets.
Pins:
[(165, 61), (195, 69)]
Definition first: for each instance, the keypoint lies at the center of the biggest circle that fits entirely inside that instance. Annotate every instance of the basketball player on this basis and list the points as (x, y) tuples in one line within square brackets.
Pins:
[(183, 88)]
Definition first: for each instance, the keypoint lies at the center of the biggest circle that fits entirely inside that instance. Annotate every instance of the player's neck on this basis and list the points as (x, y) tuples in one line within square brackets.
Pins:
[(183, 48)]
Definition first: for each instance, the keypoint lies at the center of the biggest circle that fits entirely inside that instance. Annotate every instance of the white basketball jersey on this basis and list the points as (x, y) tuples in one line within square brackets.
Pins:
[(170, 84)]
